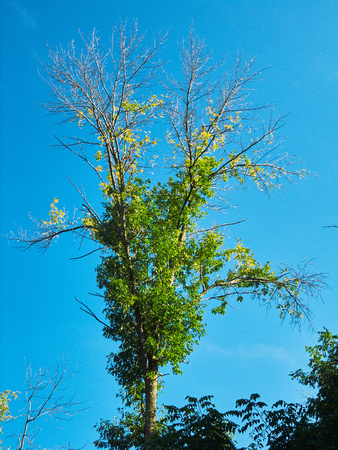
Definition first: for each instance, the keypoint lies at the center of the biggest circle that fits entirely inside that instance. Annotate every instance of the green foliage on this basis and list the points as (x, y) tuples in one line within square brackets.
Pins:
[(197, 425), (5, 414), (311, 426), (123, 434), (323, 376)]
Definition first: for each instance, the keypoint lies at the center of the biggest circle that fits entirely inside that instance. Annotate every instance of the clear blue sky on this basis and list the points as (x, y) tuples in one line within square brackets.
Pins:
[(246, 351)]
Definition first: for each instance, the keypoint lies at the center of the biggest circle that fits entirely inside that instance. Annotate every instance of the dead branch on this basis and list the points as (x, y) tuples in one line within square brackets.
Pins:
[(45, 398)]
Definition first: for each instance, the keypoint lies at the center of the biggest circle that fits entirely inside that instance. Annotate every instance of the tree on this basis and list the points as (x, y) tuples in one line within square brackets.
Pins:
[(161, 261), (44, 398), (196, 425), (313, 425)]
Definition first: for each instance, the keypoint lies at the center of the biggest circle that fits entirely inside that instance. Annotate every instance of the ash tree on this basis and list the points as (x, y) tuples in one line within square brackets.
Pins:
[(165, 151)]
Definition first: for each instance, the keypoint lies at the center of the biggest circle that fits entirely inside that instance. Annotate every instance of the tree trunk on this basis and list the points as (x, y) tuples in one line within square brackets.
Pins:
[(151, 381), (149, 365)]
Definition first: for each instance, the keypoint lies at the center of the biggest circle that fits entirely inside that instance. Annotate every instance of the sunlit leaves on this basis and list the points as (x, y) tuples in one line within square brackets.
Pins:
[(57, 217), (5, 398), (98, 155), (142, 108)]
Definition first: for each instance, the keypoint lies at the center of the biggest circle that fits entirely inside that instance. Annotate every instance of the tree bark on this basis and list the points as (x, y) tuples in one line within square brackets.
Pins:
[(151, 382), (149, 366)]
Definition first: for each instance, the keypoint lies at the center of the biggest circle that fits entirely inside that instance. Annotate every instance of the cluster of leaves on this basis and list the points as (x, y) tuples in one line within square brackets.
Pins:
[(5, 398), (56, 217), (121, 434), (196, 425)]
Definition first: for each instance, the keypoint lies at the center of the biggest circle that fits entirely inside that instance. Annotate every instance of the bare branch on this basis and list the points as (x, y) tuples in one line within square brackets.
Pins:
[(216, 227), (43, 236), (290, 284), (88, 311), (45, 398)]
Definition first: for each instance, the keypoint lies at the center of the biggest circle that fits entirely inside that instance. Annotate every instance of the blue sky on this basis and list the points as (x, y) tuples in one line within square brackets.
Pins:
[(246, 351)]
